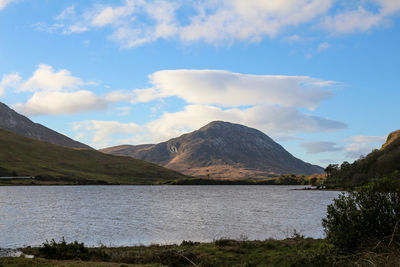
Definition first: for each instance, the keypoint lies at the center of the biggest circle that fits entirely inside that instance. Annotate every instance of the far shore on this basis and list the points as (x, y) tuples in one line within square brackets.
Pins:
[(39, 181)]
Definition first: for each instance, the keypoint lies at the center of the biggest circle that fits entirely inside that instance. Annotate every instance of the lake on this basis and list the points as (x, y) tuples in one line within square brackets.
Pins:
[(131, 215)]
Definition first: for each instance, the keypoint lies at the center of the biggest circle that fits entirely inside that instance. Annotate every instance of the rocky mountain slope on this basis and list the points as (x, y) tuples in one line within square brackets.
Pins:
[(220, 150), (21, 125)]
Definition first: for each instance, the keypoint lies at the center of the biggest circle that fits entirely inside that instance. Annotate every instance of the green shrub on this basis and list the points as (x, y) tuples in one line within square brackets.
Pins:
[(63, 251), (70, 251), (189, 243), (176, 258), (223, 242), (361, 219)]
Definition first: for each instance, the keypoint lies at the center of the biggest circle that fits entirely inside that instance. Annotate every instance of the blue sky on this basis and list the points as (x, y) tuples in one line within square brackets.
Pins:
[(321, 77)]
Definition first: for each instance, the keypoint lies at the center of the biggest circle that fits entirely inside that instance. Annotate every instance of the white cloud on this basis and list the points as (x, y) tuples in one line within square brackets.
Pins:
[(389, 6), (104, 132), (274, 121), (55, 103), (352, 21), (9, 81), (54, 92), (132, 33), (133, 22), (76, 28), (43, 27), (46, 79), (294, 38), (228, 89), (362, 19), (250, 20), (266, 102), (362, 145), (102, 15), (68, 13), (136, 22), (4, 3), (320, 147)]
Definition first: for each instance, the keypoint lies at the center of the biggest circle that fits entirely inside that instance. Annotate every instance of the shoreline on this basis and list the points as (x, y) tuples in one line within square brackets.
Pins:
[(14, 253), (184, 182)]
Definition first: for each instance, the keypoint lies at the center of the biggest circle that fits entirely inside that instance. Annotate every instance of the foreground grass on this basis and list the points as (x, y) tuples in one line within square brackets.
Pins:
[(296, 251), (39, 262), (219, 253)]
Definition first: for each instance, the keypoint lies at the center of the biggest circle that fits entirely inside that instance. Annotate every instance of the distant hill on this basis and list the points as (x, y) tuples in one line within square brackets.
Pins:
[(220, 150), (377, 164), (23, 156), (21, 125)]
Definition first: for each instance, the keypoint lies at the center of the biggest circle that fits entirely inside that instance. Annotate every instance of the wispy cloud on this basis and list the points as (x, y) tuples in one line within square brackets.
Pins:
[(323, 46), (103, 133), (362, 145), (4, 3), (9, 81), (361, 19), (124, 111), (136, 22), (275, 121), (272, 120), (320, 147)]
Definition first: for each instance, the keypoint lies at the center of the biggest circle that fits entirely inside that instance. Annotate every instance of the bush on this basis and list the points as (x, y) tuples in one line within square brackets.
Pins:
[(224, 242), (63, 251), (361, 219)]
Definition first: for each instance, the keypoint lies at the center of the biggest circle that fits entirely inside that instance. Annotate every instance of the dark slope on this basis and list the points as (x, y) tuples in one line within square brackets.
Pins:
[(223, 150), (377, 164), (28, 157), (21, 125)]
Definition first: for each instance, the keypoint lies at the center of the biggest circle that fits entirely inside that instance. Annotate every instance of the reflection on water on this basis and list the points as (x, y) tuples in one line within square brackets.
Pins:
[(130, 215)]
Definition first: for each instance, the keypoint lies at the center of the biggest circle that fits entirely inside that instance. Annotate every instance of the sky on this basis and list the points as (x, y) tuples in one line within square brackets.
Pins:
[(320, 77)]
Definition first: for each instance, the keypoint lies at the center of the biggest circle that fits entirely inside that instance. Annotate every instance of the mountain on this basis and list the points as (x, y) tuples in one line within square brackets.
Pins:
[(220, 150), (23, 156), (21, 125), (377, 164)]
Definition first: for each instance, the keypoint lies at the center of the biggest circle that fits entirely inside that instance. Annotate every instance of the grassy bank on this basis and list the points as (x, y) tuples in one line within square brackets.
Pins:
[(222, 252), (295, 251)]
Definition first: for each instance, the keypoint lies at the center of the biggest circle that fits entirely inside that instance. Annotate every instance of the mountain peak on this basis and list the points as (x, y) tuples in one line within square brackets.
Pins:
[(222, 150), (218, 124), (21, 125), (221, 125)]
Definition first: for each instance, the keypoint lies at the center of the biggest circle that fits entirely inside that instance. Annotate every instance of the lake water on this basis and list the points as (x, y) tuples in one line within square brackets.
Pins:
[(131, 215)]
